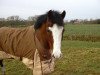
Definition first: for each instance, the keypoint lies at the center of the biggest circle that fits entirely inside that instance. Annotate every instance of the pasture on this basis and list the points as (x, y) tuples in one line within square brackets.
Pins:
[(81, 56), (82, 32)]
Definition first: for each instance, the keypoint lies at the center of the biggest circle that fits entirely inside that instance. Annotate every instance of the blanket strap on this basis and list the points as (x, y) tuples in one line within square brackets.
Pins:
[(37, 64)]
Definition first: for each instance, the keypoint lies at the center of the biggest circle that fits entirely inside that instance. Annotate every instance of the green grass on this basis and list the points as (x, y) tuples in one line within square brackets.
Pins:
[(15, 67), (82, 29), (78, 61), (82, 32), (79, 58), (79, 44)]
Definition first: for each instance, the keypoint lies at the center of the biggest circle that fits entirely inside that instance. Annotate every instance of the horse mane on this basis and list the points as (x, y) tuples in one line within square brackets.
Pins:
[(55, 18), (40, 20)]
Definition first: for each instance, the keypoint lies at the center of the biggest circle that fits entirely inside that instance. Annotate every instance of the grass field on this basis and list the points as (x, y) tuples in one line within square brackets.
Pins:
[(79, 57), (82, 32), (82, 29)]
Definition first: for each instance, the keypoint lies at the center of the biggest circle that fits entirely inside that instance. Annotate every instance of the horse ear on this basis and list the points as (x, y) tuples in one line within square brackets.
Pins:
[(49, 14), (63, 14)]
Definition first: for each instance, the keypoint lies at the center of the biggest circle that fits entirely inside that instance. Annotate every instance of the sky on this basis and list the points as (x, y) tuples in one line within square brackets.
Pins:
[(75, 9)]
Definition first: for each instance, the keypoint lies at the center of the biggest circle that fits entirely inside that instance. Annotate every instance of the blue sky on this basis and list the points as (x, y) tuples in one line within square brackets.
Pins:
[(80, 9)]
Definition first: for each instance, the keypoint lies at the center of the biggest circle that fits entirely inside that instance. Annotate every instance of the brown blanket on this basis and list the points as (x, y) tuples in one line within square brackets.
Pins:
[(18, 41)]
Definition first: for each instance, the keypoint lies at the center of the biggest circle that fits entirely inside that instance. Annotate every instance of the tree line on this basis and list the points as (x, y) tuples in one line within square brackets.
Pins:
[(84, 21), (15, 21)]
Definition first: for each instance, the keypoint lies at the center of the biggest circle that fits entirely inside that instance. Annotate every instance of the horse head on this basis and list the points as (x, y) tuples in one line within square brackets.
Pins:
[(49, 30)]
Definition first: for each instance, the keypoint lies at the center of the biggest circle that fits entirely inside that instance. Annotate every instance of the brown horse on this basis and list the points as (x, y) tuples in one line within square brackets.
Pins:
[(44, 39)]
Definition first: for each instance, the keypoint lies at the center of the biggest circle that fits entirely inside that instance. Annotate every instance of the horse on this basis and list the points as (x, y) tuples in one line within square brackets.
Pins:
[(36, 45)]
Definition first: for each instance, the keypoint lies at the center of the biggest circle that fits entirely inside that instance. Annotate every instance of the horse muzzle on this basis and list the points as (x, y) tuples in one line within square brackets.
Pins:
[(57, 54)]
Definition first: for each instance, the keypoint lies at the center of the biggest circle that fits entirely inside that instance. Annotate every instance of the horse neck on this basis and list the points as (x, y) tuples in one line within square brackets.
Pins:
[(43, 45)]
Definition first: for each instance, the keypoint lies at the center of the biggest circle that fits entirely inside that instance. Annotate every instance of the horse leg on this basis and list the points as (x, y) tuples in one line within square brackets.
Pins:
[(2, 67)]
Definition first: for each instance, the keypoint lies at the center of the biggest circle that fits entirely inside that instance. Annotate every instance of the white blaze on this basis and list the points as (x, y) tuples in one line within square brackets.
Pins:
[(57, 35)]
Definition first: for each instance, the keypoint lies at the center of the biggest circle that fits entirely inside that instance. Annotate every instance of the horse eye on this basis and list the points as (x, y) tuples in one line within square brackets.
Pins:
[(48, 30)]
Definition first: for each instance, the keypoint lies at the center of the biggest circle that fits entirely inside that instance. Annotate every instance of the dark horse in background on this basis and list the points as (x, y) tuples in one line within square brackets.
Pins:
[(41, 41)]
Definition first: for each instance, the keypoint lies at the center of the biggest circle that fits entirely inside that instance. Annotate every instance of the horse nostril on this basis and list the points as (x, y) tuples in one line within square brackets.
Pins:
[(53, 56)]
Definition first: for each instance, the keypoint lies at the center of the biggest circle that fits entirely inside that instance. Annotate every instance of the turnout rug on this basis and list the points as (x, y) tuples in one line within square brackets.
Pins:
[(18, 41)]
